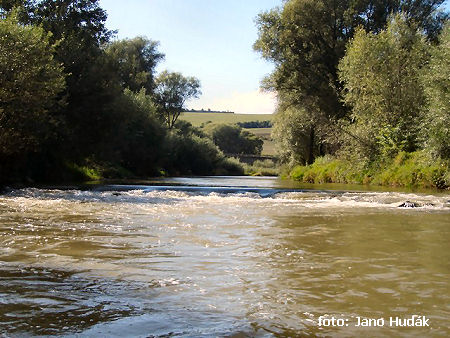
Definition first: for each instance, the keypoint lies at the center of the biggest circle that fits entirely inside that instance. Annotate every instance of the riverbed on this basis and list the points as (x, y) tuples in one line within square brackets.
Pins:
[(222, 256)]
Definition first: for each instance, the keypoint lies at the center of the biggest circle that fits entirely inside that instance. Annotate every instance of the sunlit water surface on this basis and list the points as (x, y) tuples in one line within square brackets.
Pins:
[(238, 257)]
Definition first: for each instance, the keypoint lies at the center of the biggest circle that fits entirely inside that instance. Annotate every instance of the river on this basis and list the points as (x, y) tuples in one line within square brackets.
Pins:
[(222, 256)]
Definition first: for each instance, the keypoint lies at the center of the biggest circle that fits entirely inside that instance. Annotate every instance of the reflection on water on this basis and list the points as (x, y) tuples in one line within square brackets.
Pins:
[(242, 257)]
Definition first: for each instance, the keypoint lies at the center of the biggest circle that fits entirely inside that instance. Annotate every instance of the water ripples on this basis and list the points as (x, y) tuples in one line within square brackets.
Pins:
[(217, 261)]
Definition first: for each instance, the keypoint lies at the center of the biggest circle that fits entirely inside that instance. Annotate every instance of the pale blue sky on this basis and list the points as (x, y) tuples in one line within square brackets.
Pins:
[(209, 39)]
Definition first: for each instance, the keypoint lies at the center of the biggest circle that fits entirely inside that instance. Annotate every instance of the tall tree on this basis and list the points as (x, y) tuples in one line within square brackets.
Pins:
[(92, 85), (383, 88), (436, 80), (136, 60), (305, 39), (30, 81), (171, 93)]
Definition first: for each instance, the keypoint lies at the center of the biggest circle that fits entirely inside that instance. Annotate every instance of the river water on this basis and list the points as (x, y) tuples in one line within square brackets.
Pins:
[(206, 257)]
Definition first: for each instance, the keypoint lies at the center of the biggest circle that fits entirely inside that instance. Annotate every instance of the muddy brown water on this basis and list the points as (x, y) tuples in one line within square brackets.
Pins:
[(217, 257)]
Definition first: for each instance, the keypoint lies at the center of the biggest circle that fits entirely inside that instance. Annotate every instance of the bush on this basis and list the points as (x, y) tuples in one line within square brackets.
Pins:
[(262, 168), (230, 166), (233, 140), (416, 169)]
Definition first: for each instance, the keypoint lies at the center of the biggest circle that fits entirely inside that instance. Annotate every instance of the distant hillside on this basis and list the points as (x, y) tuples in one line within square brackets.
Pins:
[(197, 118)]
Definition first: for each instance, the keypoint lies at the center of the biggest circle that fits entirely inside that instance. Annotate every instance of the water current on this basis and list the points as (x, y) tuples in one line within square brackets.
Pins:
[(222, 257)]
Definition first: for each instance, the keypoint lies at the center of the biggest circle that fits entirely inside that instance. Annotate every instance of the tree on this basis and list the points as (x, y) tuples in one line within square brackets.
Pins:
[(91, 82), (135, 60), (8, 5), (436, 80), (232, 139), (171, 92), (292, 129), (383, 88), (30, 80), (305, 39)]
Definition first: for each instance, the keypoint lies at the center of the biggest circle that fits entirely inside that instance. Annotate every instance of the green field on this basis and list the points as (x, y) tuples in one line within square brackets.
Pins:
[(198, 118), (265, 134)]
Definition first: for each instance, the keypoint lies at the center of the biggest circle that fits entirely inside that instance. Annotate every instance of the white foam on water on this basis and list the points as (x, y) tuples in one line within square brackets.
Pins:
[(32, 197)]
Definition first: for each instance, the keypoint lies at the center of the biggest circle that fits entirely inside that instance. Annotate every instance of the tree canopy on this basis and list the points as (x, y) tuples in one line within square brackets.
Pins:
[(136, 60), (232, 139), (381, 76), (30, 81), (436, 80), (306, 39), (171, 93), (70, 98)]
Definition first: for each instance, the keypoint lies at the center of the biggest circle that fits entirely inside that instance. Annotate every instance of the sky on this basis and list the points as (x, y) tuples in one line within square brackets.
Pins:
[(209, 39)]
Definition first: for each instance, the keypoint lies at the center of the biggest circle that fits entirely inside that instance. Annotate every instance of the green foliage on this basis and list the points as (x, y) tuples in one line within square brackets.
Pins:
[(305, 43), (415, 169), (91, 83), (296, 133), (139, 134), (328, 169), (191, 154), (262, 168), (135, 60), (306, 39), (255, 124), (230, 166), (436, 79), (30, 80), (232, 139), (171, 92), (76, 107), (83, 173), (382, 86)]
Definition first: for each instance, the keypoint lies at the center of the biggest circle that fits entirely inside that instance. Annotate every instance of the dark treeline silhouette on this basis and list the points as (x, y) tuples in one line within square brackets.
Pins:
[(75, 103)]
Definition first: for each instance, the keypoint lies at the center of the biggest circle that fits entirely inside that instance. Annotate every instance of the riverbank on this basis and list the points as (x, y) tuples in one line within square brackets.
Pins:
[(415, 169), (69, 173)]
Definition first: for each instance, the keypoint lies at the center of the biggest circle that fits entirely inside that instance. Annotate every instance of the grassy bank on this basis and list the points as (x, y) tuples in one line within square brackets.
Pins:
[(415, 169)]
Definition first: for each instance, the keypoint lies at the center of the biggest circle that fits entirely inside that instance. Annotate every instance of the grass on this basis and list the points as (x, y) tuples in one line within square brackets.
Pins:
[(198, 118), (415, 169), (265, 134), (83, 172), (94, 171)]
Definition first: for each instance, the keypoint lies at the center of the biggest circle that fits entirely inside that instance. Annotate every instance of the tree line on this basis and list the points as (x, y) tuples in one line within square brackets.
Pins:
[(362, 80), (73, 97), (255, 124)]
